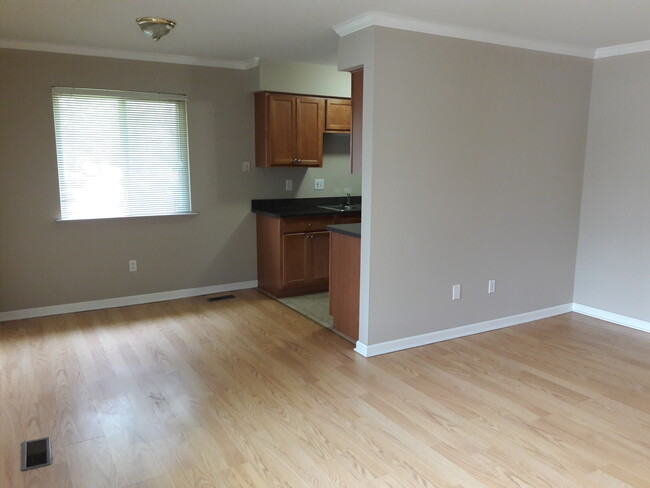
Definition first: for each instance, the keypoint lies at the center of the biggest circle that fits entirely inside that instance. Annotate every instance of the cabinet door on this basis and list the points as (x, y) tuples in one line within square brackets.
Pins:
[(310, 120), (282, 130), (338, 115), (319, 256), (294, 259)]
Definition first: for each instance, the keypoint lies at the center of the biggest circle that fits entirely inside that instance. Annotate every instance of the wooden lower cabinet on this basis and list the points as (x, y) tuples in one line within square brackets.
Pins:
[(293, 253), (318, 256), (305, 259), (344, 284)]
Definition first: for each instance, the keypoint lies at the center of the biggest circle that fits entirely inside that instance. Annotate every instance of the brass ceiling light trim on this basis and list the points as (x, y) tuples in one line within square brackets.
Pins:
[(155, 27)]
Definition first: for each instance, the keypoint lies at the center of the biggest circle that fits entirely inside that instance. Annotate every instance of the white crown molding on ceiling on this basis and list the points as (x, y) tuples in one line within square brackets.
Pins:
[(621, 49), (133, 55), (381, 19)]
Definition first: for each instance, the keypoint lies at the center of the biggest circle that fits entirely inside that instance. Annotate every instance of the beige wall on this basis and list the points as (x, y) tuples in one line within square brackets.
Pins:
[(307, 78), (613, 266), (474, 173), (314, 79), (43, 262)]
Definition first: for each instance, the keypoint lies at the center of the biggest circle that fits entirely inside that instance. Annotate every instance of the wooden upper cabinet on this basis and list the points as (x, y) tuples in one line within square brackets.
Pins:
[(289, 130), (310, 117), (357, 120), (281, 129), (338, 115)]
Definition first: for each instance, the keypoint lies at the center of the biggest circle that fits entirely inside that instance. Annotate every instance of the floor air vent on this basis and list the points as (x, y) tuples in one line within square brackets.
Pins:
[(222, 297), (35, 454)]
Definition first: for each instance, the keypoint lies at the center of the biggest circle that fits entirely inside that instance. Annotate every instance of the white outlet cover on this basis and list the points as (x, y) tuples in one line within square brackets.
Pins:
[(246, 166), (288, 185), (491, 286), (319, 184)]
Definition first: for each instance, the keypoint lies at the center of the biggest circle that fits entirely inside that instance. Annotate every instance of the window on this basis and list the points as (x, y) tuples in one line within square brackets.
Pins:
[(121, 154)]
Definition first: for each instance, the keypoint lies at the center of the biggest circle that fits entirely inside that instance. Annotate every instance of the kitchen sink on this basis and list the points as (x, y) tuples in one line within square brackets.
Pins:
[(342, 207)]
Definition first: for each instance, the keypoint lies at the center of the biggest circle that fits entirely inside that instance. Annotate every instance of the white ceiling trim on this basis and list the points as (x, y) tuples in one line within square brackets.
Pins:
[(387, 20), (621, 49), (133, 55)]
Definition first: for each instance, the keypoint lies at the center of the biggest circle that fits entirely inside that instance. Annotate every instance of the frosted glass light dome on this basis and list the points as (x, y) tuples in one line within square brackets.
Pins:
[(155, 27)]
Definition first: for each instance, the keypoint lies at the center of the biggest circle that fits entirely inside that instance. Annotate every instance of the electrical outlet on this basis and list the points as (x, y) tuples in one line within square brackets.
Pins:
[(492, 284), (133, 265), (288, 185), (319, 184), (455, 292), (246, 166)]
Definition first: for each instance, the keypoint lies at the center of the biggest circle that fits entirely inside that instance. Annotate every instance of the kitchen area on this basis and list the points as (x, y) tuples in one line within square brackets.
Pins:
[(308, 247)]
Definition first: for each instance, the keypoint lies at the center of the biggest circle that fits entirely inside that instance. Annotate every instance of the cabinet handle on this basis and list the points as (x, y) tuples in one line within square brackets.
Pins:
[(309, 225), (299, 161)]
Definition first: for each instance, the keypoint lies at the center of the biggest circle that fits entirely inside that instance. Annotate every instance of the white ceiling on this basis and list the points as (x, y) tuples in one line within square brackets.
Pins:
[(301, 30)]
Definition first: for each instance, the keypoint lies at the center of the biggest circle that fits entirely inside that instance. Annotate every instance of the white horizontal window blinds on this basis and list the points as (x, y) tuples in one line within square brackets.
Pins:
[(121, 154)]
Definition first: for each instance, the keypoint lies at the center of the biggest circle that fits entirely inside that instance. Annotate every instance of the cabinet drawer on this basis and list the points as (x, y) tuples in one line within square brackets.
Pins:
[(307, 224)]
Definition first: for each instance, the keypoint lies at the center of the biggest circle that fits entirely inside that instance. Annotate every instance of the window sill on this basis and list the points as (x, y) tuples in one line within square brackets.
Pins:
[(164, 216)]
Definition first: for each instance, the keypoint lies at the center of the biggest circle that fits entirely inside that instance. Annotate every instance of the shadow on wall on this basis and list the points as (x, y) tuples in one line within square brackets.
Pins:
[(336, 144)]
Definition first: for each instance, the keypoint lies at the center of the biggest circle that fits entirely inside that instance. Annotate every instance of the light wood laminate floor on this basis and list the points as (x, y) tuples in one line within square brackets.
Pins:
[(247, 392)]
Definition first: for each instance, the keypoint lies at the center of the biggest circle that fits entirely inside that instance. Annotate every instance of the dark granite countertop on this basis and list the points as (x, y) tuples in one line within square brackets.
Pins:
[(300, 207), (352, 230)]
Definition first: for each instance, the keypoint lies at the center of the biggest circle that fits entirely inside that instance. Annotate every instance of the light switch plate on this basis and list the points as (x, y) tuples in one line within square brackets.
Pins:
[(288, 185), (455, 292), (319, 184)]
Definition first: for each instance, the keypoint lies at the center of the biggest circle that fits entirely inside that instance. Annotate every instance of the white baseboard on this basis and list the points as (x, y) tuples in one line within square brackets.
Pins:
[(123, 301), (612, 317), (465, 330)]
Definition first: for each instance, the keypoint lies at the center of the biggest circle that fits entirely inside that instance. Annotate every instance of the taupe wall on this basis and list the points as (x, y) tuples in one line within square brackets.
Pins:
[(613, 266), (43, 262), (310, 79), (475, 173), (313, 79)]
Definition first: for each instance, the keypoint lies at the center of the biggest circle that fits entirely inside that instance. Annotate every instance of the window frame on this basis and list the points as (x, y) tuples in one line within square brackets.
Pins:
[(182, 140)]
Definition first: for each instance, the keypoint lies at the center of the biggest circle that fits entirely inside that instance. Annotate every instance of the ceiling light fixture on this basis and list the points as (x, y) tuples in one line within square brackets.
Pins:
[(155, 27)]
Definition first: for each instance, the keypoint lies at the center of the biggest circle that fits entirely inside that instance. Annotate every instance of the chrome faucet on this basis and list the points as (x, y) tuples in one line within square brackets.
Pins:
[(347, 201)]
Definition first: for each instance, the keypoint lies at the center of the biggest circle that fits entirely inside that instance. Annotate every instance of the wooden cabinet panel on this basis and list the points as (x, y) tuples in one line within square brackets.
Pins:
[(357, 120), (319, 256), (310, 115), (281, 129), (294, 259), (338, 115), (345, 262)]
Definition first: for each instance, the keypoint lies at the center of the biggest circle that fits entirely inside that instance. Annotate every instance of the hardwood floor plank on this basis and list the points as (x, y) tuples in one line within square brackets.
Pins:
[(248, 393)]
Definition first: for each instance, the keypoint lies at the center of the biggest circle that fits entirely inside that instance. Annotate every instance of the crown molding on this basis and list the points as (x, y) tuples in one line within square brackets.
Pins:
[(621, 49), (243, 64), (381, 19)]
